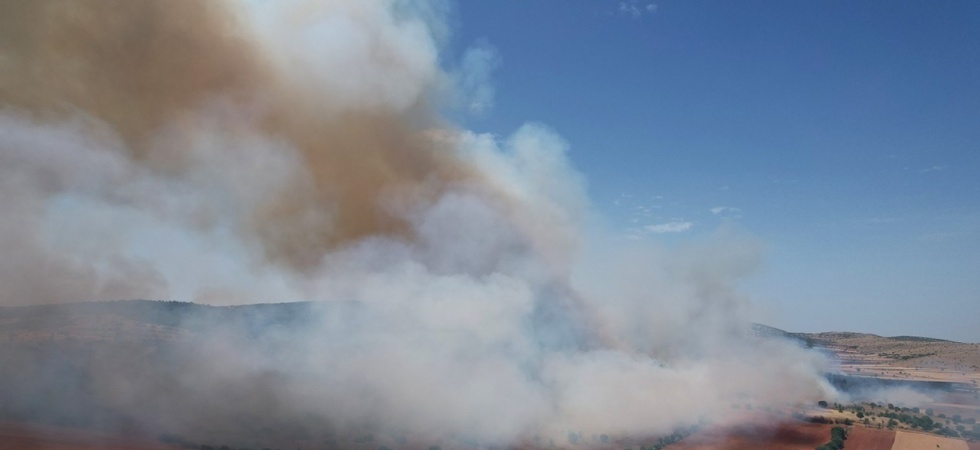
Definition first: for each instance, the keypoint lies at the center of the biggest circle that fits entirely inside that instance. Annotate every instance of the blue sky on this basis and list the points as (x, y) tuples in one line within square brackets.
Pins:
[(844, 135)]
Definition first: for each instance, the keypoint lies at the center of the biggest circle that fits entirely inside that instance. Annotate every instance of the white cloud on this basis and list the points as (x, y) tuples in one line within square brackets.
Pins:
[(635, 9), (675, 226), (934, 169), (724, 209)]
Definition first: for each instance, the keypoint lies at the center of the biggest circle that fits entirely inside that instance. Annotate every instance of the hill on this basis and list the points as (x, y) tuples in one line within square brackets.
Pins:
[(901, 351), (112, 365), (135, 320)]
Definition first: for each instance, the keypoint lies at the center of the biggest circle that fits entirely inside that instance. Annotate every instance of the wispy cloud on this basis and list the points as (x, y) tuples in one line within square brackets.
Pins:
[(934, 169), (473, 77), (645, 211), (878, 220), (675, 226), (635, 9), (724, 210)]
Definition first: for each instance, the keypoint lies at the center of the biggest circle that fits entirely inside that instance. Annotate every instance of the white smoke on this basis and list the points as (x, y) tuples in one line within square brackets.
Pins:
[(489, 313)]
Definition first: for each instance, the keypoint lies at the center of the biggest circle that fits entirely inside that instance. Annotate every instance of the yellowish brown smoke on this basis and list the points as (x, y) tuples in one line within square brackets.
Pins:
[(146, 66)]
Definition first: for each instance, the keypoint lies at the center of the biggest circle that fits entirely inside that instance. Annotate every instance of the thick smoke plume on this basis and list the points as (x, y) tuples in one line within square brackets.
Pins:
[(245, 152)]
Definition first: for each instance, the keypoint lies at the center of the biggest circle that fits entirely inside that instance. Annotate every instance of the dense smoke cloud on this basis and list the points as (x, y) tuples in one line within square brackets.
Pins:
[(281, 151)]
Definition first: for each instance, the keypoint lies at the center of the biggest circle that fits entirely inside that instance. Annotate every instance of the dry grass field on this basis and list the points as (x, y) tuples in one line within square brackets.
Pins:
[(905, 357), (905, 440)]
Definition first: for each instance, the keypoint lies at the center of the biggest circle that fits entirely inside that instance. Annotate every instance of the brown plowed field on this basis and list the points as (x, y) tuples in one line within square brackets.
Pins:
[(870, 439), (782, 436), (973, 445), (21, 436)]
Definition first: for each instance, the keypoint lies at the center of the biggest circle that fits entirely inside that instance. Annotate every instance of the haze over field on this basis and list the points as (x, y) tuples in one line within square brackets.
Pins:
[(231, 152)]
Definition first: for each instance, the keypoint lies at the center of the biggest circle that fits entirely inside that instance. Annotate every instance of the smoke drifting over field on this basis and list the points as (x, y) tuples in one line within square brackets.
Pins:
[(282, 151)]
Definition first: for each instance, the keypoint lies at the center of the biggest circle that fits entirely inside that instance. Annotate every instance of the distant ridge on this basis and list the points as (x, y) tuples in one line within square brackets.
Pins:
[(921, 339), (767, 331), (177, 316), (830, 337), (836, 335), (173, 314)]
